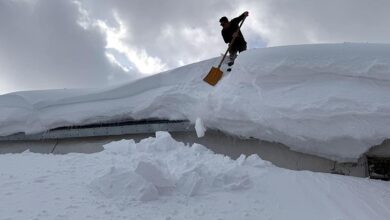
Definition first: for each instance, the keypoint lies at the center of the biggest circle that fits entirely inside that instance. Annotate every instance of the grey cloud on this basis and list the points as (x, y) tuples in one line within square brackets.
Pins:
[(42, 47), (316, 21), (193, 26)]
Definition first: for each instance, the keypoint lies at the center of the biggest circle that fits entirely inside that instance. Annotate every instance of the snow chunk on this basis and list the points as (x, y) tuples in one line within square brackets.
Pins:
[(124, 185), (255, 161), (199, 127), (154, 174), (233, 179), (190, 183), (121, 147)]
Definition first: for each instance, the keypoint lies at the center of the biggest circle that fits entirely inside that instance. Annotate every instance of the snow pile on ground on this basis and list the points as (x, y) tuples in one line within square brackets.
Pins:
[(329, 100), (162, 166), (160, 178)]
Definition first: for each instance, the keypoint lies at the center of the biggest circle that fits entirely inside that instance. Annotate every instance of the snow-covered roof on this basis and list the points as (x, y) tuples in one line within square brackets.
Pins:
[(330, 100)]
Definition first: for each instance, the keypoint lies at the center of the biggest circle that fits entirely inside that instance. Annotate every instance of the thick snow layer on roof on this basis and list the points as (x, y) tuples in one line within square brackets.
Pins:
[(330, 100), (160, 178)]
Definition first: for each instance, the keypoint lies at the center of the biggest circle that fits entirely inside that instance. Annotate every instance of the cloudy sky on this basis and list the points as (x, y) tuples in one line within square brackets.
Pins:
[(47, 44)]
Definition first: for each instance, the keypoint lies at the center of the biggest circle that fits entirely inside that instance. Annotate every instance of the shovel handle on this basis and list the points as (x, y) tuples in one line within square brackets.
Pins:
[(231, 43)]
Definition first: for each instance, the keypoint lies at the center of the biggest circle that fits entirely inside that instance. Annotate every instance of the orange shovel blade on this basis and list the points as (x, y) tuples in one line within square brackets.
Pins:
[(214, 76)]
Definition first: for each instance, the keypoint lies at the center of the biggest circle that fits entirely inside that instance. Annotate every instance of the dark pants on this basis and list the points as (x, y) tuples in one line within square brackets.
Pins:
[(235, 49)]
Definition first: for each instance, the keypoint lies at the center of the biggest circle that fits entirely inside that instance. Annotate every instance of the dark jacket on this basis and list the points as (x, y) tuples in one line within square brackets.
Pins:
[(227, 33)]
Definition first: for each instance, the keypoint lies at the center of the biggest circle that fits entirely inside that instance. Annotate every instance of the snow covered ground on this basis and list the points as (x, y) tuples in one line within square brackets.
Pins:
[(329, 100), (160, 178)]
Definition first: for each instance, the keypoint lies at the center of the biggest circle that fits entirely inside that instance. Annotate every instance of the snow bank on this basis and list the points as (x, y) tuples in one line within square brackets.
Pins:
[(160, 178), (329, 100)]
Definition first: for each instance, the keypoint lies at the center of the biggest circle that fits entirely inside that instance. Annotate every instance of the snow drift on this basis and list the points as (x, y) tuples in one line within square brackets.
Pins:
[(330, 100)]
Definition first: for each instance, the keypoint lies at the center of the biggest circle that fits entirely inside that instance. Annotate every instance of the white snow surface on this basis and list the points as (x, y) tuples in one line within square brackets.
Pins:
[(330, 100), (160, 178)]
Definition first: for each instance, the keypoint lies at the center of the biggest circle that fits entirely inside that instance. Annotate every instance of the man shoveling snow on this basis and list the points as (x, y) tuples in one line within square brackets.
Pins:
[(232, 35), (231, 30)]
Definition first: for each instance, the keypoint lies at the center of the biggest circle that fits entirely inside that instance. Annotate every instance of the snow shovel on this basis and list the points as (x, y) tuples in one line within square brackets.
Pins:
[(216, 73)]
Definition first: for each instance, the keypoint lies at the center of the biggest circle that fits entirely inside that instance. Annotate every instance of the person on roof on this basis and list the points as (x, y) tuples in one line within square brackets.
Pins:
[(229, 31)]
